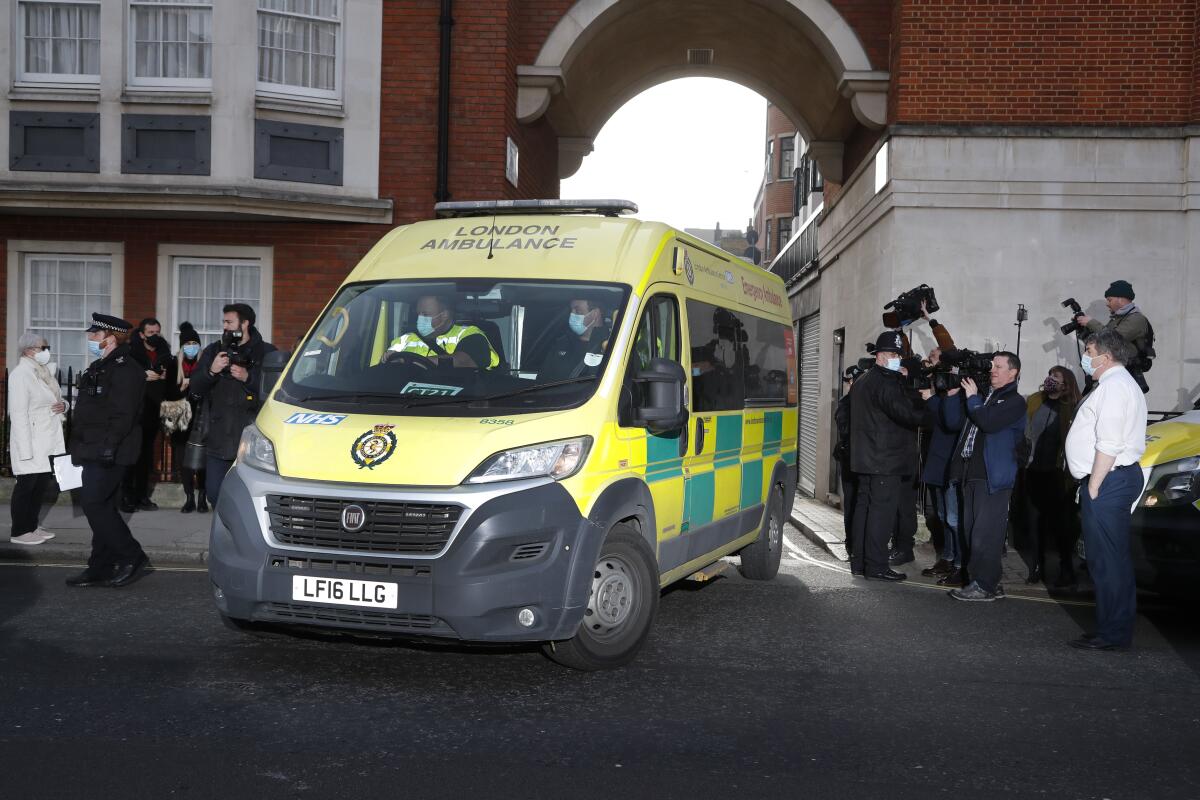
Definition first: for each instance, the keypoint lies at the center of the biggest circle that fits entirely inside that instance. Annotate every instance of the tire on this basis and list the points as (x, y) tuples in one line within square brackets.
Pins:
[(621, 606), (760, 558)]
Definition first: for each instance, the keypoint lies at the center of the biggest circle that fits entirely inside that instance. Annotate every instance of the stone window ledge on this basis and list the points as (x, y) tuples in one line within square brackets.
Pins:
[(271, 103), (174, 98), (55, 94)]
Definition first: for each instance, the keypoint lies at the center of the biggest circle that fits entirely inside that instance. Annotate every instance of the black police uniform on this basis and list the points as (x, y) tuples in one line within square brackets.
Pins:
[(106, 436)]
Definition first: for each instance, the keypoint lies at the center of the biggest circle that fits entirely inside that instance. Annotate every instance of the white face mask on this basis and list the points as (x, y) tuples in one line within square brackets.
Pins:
[(42, 357)]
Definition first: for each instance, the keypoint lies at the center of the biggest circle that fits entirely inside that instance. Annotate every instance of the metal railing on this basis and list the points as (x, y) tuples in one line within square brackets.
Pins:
[(161, 471)]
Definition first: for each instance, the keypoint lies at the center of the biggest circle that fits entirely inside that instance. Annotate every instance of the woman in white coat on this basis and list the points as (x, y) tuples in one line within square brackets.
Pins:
[(35, 413)]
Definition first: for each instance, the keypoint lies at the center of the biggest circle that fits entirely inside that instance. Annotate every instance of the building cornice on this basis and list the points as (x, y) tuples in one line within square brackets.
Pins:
[(196, 202)]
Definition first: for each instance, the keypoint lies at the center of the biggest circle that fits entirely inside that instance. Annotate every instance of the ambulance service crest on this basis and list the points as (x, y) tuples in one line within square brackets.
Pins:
[(374, 447)]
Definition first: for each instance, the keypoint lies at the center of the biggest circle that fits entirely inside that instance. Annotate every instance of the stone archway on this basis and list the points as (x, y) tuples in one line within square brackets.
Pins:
[(801, 55)]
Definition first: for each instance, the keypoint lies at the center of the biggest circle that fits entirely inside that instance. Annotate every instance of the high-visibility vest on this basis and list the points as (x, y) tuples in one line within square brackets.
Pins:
[(448, 341)]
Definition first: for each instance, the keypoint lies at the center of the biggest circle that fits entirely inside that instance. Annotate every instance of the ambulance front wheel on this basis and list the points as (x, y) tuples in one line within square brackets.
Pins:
[(760, 558), (621, 605)]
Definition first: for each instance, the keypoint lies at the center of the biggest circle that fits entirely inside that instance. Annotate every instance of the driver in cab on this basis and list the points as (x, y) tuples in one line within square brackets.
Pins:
[(439, 338), (578, 351)]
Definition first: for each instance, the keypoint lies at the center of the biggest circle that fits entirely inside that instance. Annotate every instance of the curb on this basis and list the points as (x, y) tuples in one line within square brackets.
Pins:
[(78, 554), (826, 541)]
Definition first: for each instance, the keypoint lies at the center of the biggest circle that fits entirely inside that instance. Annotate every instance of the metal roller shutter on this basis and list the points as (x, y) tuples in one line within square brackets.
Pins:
[(810, 342)]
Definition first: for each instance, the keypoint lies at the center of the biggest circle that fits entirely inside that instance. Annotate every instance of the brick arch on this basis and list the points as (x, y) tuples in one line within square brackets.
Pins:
[(803, 55)]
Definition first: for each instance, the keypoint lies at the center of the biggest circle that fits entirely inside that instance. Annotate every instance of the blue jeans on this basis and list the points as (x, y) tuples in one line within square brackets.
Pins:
[(1106, 522), (945, 499)]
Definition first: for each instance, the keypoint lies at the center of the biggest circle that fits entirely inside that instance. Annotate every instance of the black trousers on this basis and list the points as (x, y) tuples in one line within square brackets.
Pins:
[(905, 536), (849, 499), (874, 519), (214, 476), (137, 479), (1049, 517), (112, 541), (984, 521), (192, 480), (27, 498)]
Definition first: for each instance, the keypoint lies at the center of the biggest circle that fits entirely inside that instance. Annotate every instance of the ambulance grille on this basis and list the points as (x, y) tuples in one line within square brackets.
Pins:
[(395, 528), (351, 618), (526, 552), (700, 57)]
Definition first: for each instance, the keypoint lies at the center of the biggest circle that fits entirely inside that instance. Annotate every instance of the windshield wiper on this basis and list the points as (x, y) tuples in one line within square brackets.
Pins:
[(351, 396), (501, 395)]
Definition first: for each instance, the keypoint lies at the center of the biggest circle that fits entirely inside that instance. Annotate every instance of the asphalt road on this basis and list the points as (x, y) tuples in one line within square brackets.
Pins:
[(812, 685)]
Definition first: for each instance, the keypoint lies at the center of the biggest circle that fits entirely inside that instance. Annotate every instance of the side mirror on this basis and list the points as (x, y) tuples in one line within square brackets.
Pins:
[(661, 408), (273, 366)]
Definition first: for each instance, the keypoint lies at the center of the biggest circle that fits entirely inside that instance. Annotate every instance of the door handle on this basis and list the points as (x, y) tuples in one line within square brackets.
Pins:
[(699, 435), (683, 441)]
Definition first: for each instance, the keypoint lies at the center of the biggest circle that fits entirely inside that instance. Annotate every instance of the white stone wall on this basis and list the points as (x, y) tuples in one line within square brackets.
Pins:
[(991, 222), (231, 103)]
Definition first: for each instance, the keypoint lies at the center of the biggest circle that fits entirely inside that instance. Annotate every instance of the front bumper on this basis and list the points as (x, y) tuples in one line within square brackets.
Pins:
[(1165, 544), (517, 545)]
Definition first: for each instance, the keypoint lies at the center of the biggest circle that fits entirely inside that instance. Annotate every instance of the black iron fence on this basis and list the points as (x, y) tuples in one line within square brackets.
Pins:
[(162, 446)]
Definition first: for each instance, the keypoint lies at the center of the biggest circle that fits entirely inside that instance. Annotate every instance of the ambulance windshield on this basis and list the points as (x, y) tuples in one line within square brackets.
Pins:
[(457, 347)]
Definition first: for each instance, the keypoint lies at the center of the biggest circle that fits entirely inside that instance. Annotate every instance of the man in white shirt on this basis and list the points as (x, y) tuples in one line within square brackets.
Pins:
[(1106, 440)]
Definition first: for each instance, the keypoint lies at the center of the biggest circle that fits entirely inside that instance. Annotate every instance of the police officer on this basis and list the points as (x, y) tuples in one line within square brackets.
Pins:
[(106, 436), (438, 336), (1129, 321), (883, 450), (577, 352)]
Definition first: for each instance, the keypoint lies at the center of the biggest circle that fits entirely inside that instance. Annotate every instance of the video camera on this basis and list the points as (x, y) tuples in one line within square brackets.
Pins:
[(952, 368), (907, 307), (1076, 312)]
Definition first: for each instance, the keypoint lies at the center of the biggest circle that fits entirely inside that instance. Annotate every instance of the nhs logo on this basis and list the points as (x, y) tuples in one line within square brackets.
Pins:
[(303, 418)]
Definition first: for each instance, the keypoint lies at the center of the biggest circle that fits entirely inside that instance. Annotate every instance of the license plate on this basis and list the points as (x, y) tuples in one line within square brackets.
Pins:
[(344, 592)]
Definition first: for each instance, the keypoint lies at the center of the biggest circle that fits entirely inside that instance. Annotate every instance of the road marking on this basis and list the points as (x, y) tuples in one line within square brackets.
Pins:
[(807, 559)]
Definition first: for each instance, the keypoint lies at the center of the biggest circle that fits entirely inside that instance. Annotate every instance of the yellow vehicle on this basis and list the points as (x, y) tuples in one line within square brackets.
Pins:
[(1165, 532), (637, 424)]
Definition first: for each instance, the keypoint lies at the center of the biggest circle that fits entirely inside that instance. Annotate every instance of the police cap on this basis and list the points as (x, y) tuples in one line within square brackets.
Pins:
[(889, 342), (106, 322)]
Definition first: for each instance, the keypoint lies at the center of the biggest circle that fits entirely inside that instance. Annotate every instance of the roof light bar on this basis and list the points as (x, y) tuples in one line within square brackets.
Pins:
[(488, 208)]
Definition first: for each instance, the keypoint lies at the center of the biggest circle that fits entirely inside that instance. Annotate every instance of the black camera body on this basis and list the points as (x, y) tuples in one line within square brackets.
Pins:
[(907, 306), (232, 346), (952, 367), (1076, 312)]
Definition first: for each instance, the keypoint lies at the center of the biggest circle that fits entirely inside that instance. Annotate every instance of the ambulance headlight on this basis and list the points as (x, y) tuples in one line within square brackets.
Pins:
[(256, 450), (1174, 483), (556, 460)]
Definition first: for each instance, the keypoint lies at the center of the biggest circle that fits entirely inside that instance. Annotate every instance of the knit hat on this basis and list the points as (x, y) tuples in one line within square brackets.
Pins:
[(188, 334), (1120, 289)]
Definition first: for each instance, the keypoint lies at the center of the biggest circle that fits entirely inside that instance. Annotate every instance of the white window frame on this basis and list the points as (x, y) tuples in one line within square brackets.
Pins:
[(18, 283), (131, 78), (167, 296), (44, 78), (291, 91)]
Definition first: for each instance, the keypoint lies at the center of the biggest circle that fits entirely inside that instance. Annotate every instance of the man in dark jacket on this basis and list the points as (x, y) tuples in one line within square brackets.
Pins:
[(935, 475), (152, 352), (985, 463), (883, 450), (849, 481), (226, 379), (105, 440)]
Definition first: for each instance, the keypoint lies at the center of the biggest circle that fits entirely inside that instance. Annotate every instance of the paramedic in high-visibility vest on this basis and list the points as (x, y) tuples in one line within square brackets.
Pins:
[(438, 336)]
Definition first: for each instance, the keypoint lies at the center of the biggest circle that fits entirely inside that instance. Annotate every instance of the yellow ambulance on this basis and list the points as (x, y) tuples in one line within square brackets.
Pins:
[(1165, 532), (516, 423)]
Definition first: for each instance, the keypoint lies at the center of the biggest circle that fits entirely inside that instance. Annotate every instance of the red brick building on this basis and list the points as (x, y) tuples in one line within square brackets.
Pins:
[(166, 157)]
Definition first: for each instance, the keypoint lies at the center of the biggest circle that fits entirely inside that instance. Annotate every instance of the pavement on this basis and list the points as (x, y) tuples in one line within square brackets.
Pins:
[(167, 536)]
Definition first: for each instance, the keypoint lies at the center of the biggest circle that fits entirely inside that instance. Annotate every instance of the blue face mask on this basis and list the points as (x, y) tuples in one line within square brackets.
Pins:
[(577, 325), (190, 350), (893, 364), (424, 325), (94, 349), (1088, 366)]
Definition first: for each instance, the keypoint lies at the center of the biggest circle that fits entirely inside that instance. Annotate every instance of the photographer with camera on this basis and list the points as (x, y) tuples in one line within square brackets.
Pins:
[(936, 475), (883, 452), (225, 380), (985, 465), (1129, 321)]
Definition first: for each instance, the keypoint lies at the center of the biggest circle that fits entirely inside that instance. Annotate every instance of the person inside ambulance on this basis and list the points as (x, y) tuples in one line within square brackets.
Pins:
[(441, 340), (577, 351)]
